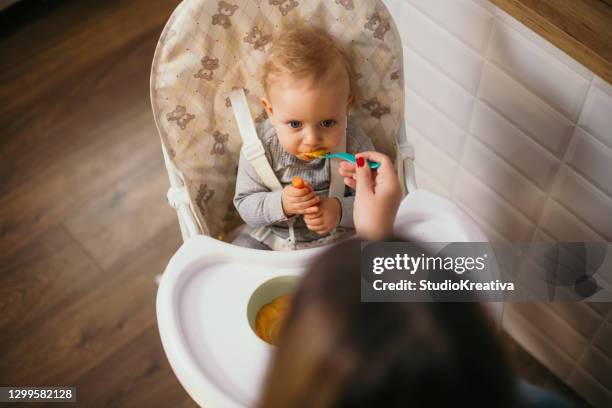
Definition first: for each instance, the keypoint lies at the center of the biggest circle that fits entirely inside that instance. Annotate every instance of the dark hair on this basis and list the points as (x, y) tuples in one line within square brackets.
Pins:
[(335, 351)]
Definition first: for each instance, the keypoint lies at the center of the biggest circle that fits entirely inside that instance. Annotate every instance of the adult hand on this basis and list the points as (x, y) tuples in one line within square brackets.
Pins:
[(377, 196)]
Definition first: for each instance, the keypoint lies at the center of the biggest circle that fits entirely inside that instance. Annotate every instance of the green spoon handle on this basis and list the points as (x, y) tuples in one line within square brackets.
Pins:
[(350, 158)]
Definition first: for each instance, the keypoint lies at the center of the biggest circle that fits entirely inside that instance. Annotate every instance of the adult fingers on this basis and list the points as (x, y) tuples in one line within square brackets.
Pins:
[(346, 172), (374, 156), (349, 181), (384, 160), (346, 168), (364, 178)]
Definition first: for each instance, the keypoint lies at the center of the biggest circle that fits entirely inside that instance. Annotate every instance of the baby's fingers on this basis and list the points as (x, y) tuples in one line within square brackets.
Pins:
[(298, 192), (306, 198), (312, 212), (315, 226), (314, 222), (300, 208), (321, 230), (310, 198)]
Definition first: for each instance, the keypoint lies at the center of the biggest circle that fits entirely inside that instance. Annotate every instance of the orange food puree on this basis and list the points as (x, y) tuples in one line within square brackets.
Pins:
[(317, 153), (270, 318)]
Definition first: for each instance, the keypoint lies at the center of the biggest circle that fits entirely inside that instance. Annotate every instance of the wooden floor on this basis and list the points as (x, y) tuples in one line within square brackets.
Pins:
[(84, 223)]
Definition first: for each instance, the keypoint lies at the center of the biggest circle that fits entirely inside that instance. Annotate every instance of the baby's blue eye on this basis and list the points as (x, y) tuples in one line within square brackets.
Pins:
[(295, 124), (327, 123)]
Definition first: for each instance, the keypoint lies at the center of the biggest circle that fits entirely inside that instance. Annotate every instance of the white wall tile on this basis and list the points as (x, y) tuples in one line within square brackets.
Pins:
[(605, 271), (551, 129), (441, 91), (426, 182), (394, 7), (480, 199), (429, 122), (486, 6), (439, 47), (602, 308), (537, 344), (529, 97), (578, 315), (589, 388), (599, 366), (544, 44), (603, 85), (506, 181), (564, 226), (604, 339), (518, 149), (596, 115), (592, 159), (545, 125), (548, 323), (542, 236), (491, 233), (605, 279), (537, 70), (466, 20), (432, 160), (586, 202)]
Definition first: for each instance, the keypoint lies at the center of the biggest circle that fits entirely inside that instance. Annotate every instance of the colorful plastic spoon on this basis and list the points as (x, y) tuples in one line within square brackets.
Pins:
[(323, 154)]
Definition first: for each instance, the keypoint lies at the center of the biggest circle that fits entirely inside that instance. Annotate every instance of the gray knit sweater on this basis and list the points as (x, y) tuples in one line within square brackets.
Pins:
[(258, 206)]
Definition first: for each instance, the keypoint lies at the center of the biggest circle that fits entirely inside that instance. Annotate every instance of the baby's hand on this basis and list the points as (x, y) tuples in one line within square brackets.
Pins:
[(326, 218), (299, 200), (347, 170)]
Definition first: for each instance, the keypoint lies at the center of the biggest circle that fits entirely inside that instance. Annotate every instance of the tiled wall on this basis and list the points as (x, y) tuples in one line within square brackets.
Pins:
[(519, 135)]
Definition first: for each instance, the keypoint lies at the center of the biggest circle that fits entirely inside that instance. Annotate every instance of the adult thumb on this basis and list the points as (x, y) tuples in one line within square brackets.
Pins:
[(363, 176)]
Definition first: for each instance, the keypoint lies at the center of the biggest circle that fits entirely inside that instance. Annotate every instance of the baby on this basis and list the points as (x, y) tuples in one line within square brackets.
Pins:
[(309, 85)]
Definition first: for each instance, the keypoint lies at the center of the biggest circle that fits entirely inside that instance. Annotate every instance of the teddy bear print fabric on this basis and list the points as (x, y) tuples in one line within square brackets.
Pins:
[(210, 47)]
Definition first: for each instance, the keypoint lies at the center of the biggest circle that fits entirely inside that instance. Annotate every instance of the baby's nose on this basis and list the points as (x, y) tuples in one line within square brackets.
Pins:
[(311, 137)]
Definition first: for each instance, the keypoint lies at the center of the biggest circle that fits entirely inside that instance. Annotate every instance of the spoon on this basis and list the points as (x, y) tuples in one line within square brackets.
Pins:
[(324, 154)]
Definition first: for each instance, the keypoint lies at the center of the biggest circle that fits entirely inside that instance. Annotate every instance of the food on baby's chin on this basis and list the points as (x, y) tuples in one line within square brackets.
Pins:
[(298, 182), (270, 319)]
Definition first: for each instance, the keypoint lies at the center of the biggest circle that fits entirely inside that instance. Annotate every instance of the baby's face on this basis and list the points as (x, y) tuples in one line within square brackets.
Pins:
[(309, 116)]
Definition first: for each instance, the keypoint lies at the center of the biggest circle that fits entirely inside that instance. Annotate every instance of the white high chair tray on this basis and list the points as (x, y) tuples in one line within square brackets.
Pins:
[(424, 216), (204, 292), (219, 364)]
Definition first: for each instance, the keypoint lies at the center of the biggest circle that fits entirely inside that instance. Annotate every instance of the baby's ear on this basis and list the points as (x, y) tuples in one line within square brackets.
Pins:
[(267, 106), (349, 102)]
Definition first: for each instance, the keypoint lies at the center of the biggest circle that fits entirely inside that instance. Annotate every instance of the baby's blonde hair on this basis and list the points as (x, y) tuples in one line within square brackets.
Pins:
[(303, 51)]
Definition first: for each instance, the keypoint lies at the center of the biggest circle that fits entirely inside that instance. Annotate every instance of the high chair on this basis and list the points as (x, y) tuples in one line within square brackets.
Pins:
[(208, 55)]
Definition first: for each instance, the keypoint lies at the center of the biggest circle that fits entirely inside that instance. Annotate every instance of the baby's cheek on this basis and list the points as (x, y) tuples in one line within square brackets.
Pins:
[(290, 144), (334, 139)]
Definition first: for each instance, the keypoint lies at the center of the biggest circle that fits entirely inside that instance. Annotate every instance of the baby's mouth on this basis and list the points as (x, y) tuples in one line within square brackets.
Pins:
[(315, 154)]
